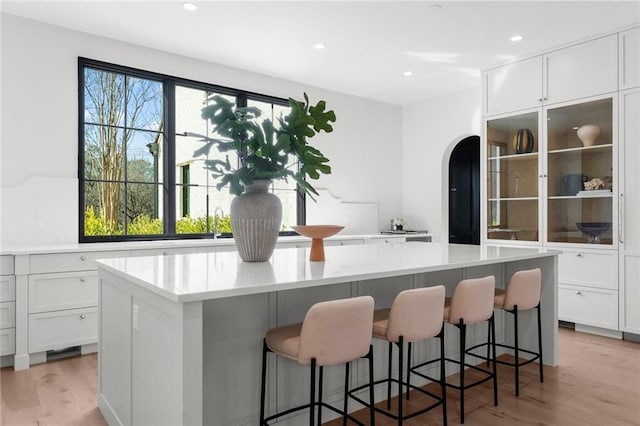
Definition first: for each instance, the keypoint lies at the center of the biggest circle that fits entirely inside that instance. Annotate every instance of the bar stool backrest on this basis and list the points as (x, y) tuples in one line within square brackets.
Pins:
[(337, 331), (416, 314), (472, 300), (523, 290)]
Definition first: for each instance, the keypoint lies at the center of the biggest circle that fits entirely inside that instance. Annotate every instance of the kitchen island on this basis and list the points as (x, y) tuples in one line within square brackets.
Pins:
[(181, 335)]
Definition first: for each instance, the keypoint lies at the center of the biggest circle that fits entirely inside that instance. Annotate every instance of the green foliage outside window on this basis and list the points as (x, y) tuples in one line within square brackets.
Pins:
[(97, 224)]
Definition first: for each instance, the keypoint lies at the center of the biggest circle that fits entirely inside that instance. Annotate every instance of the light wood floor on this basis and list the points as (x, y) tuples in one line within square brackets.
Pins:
[(597, 382)]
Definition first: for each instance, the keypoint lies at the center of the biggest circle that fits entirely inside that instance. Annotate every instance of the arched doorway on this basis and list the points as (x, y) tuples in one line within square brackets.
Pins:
[(464, 192)]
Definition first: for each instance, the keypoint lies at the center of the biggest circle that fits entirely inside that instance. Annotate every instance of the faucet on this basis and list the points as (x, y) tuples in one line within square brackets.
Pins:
[(215, 221)]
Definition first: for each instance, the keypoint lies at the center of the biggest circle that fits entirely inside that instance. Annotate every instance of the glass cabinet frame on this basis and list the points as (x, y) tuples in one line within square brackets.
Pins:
[(563, 162)]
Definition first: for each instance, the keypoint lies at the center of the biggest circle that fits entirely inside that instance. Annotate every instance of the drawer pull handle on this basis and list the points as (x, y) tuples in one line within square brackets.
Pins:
[(579, 293), (165, 253), (83, 279), (83, 258), (83, 316), (579, 255)]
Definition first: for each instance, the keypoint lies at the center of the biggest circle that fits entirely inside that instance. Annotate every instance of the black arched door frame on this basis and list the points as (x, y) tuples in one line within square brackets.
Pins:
[(464, 192)]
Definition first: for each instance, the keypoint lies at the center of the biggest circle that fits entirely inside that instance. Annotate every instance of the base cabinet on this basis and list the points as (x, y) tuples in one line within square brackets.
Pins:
[(7, 307), (588, 306)]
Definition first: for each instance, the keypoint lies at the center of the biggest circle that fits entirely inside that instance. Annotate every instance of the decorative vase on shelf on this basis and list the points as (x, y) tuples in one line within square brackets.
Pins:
[(256, 216), (523, 141), (588, 134)]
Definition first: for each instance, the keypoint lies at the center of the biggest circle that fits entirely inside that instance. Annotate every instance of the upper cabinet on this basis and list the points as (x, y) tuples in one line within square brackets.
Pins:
[(630, 59), (583, 70), (580, 71), (513, 87)]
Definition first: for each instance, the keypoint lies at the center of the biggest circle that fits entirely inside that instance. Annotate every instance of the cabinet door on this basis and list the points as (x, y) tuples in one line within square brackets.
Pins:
[(583, 70), (581, 175), (513, 87), (630, 59), (629, 209), (513, 178)]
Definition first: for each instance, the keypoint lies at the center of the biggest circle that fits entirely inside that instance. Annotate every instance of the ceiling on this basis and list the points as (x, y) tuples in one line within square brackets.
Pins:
[(369, 44)]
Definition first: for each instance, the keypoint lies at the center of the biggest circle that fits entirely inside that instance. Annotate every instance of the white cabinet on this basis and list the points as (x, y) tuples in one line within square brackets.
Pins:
[(7, 306), (630, 59), (575, 72), (513, 87), (61, 329), (583, 70), (629, 228), (588, 306), (535, 194)]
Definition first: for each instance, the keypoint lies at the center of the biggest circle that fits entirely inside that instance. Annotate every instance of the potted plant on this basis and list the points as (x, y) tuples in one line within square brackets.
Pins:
[(264, 153)]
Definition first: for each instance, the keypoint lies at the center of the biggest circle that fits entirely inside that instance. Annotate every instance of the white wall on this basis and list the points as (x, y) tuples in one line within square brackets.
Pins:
[(430, 130), (40, 127)]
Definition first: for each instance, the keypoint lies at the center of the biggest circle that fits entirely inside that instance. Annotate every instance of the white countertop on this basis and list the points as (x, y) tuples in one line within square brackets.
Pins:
[(203, 276)]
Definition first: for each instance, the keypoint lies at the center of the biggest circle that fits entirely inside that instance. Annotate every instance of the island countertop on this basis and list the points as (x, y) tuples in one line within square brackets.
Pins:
[(204, 276)]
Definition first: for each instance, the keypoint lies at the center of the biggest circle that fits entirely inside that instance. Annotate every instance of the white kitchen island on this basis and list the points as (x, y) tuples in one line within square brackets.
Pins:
[(181, 335)]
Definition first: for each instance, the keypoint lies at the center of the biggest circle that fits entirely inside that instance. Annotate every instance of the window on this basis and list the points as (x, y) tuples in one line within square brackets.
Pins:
[(140, 177)]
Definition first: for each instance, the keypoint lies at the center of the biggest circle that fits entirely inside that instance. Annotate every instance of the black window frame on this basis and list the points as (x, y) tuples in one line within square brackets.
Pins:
[(169, 178)]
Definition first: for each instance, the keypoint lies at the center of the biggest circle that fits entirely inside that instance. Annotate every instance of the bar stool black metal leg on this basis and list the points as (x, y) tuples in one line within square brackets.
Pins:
[(462, 327), (408, 369), (443, 378), (495, 367), (345, 406), (372, 410), (389, 376), (320, 395), (540, 343), (263, 381), (400, 370), (312, 393), (516, 352), (488, 342)]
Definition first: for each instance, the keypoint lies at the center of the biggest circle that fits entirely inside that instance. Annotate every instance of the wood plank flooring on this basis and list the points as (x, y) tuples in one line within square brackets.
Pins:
[(597, 382)]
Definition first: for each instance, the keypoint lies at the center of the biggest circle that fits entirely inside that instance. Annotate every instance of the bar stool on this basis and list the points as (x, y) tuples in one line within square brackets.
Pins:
[(333, 332), (471, 302), (415, 315), (522, 293)]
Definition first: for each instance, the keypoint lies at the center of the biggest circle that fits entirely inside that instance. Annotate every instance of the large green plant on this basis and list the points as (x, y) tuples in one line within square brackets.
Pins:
[(263, 150)]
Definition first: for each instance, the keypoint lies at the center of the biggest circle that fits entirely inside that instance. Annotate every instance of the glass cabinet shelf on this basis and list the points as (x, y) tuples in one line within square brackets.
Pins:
[(527, 156), (582, 148)]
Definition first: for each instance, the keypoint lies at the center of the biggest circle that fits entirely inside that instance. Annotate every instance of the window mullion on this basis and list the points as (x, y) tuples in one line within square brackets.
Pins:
[(169, 165)]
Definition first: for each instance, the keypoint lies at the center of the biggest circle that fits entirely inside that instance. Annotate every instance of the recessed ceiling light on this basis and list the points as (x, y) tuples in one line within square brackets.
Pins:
[(319, 46), (516, 37), (189, 7), (407, 73)]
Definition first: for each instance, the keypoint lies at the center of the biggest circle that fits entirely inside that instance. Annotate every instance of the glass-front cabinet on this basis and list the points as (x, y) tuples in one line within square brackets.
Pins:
[(580, 176), (550, 174), (513, 157)]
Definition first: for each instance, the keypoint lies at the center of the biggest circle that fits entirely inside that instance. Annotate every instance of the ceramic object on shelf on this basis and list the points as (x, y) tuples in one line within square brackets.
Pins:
[(588, 134), (523, 141), (593, 230), (317, 233), (256, 216)]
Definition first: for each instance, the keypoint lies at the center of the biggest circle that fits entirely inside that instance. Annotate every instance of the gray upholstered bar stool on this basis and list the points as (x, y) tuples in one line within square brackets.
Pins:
[(333, 332), (522, 293), (470, 303), (415, 315)]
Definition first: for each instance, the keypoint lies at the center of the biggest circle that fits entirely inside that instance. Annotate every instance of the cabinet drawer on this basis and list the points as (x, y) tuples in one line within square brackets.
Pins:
[(588, 269), (65, 262), (8, 341), (58, 330), (54, 292), (7, 288), (7, 314), (343, 242), (588, 306), (6, 265)]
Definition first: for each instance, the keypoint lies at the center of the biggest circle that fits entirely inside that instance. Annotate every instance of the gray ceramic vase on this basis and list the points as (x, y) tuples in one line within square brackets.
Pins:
[(256, 216)]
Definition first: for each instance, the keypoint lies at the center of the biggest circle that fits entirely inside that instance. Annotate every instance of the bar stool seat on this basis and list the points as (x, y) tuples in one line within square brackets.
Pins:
[(415, 315), (333, 332)]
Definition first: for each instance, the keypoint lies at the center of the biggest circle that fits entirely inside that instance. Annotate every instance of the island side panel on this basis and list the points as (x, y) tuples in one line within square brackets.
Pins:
[(114, 346), (154, 348)]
